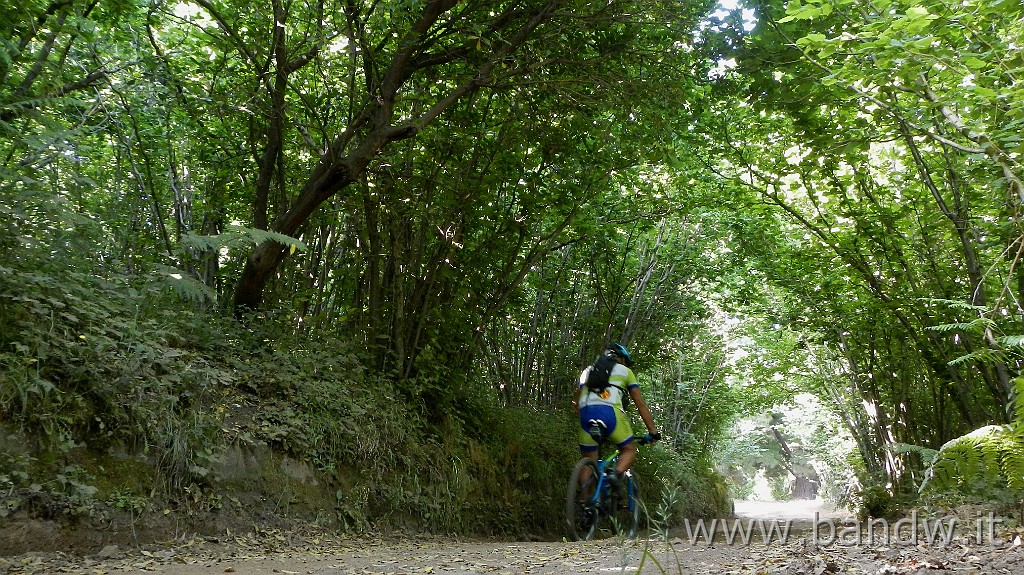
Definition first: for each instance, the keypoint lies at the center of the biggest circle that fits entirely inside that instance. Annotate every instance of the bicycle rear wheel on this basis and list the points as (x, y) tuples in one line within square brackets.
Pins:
[(581, 510), (625, 517)]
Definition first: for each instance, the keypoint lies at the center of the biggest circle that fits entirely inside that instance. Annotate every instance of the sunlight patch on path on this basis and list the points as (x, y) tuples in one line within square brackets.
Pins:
[(796, 509)]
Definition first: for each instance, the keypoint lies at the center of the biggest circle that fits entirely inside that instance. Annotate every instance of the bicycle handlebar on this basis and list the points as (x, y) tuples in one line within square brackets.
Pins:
[(601, 439), (649, 439)]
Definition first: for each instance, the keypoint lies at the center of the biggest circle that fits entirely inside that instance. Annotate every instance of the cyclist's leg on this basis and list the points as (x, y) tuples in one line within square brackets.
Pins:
[(622, 437), (605, 417), (585, 474), (588, 448), (627, 454), (581, 512)]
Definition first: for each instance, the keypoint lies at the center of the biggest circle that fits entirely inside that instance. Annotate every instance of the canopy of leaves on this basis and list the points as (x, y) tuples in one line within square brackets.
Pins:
[(462, 203)]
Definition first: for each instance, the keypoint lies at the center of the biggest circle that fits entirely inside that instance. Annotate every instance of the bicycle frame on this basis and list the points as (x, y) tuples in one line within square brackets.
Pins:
[(602, 486), (590, 496)]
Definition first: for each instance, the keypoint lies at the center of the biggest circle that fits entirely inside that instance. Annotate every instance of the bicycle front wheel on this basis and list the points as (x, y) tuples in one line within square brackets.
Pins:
[(625, 517), (581, 511)]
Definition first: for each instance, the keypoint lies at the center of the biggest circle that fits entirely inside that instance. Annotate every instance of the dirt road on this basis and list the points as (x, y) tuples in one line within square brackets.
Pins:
[(436, 557), (680, 552)]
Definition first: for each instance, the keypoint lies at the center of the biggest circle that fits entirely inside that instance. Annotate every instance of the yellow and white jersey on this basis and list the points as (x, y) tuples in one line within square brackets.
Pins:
[(621, 381)]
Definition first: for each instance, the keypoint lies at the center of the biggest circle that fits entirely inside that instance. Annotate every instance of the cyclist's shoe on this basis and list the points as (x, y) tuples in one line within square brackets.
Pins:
[(619, 483), (585, 518)]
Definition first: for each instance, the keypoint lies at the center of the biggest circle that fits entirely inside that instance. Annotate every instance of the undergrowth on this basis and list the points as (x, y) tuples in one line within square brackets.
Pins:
[(131, 398), (986, 464), (91, 363)]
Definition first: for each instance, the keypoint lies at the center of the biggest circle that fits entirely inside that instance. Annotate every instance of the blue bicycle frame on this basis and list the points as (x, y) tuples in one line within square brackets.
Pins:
[(584, 515), (602, 489)]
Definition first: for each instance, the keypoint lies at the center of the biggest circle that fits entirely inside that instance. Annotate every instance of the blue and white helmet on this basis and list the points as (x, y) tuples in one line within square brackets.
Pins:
[(619, 350)]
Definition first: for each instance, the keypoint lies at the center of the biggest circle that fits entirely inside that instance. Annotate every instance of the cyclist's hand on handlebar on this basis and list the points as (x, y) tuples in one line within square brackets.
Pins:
[(652, 437)]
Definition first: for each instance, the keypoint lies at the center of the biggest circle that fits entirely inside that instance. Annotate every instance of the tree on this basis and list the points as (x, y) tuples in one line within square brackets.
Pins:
[(416, 62), (849, 129)]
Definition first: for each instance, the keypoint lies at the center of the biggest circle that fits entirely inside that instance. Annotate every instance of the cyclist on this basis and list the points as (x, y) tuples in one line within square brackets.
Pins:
[(606, 410)]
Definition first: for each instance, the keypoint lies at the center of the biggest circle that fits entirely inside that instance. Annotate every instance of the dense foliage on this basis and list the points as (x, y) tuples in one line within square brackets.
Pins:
[(373, 192), (383, 238), (885, 135)]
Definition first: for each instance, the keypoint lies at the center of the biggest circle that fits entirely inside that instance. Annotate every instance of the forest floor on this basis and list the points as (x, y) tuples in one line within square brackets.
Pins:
[(811, 549)]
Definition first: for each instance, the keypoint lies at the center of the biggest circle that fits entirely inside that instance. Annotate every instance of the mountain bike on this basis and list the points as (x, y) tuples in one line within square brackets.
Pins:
[(596, 498)]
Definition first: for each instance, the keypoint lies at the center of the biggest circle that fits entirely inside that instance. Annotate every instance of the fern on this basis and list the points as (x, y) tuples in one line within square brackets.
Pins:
[(184, 285), (985, 356), (234, 237), (989, 456), (1014, 461), (956, 304), (927, 454), (968, 460), (977, 325), (1012, 341), (239, 237), (981, 324)]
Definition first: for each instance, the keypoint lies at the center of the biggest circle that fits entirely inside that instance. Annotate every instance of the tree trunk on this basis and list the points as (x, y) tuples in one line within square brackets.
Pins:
[(328, 178), (343, 164)]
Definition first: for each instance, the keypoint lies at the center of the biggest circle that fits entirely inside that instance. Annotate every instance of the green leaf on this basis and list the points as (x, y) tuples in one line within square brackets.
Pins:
[(812, 40), (975, 63), (987, 93), (915, 12), (923, 43), (802, 12), (184, 284)]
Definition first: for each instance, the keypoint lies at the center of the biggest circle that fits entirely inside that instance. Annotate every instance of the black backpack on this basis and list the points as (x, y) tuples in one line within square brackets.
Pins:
[(597, 379)]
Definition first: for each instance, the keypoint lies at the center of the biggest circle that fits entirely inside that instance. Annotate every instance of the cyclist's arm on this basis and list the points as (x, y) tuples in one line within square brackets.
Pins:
[(579, 391), (641, 407)]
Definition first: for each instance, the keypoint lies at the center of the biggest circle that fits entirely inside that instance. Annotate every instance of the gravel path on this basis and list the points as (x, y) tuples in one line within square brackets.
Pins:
[(804, 553)]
